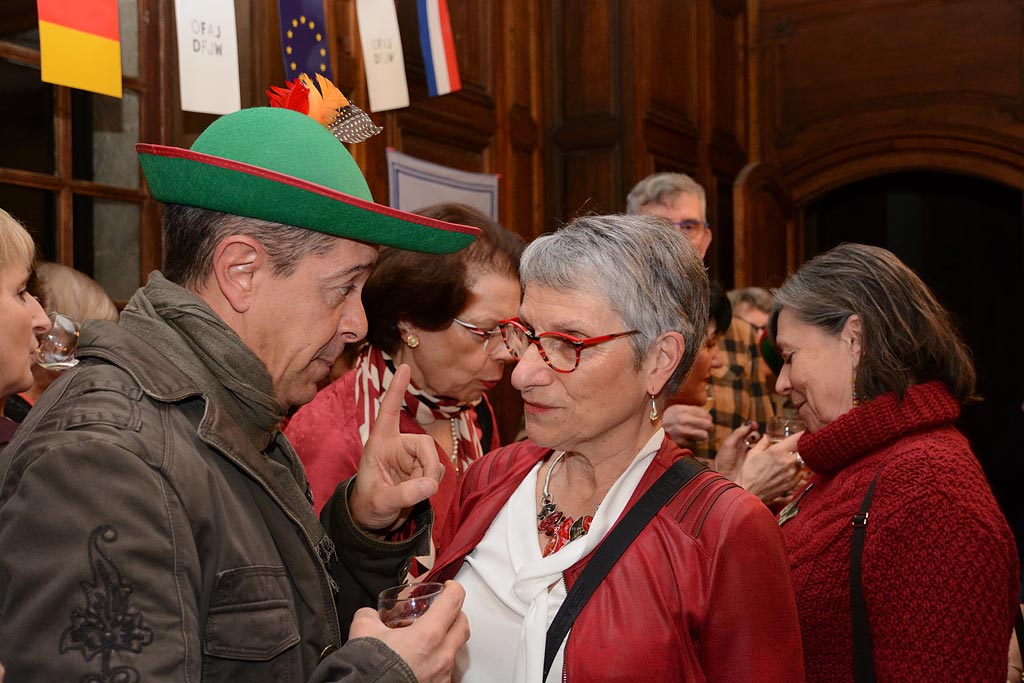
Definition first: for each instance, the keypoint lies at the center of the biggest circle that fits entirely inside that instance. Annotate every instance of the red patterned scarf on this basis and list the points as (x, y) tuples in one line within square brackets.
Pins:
[(374, 373)]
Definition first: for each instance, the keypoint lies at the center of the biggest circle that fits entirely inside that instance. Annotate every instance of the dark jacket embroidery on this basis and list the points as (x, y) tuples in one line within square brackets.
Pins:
[(107, 624)]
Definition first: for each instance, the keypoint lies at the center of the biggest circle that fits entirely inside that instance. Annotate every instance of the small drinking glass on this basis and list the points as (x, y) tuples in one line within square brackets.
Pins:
[(399, 606), (780, 426), (57, 347)]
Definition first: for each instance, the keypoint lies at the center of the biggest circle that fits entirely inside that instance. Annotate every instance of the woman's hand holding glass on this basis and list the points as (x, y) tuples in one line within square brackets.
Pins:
[(772, 471), (767, 470)]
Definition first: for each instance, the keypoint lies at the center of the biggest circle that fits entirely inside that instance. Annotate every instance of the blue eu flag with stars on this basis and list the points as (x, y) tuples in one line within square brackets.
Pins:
[(304, 43)]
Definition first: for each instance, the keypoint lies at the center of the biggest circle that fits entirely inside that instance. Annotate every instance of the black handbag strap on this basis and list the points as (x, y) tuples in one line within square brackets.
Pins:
[(863, 650), (611, 549)]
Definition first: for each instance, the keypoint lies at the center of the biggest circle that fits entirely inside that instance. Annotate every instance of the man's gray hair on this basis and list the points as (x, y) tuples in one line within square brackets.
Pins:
[(192, 234), (648, 273), (661, 188), (758, 297)]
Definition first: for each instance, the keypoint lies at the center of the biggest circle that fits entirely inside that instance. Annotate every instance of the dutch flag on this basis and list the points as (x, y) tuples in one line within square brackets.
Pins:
[(438, 47)]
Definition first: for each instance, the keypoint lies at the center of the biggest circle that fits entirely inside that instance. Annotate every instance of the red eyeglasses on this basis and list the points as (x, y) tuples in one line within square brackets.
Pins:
[(560, 351)]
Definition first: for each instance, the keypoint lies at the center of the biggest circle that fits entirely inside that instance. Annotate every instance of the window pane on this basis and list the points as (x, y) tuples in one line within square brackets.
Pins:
[(107, 243), (104, 131), (37, 210), (26, 118), (128, 13), (19, 23)]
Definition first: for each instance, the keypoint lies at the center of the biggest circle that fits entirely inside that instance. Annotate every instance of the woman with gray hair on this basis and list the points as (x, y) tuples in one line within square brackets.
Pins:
[(903, 565), (613, 313)]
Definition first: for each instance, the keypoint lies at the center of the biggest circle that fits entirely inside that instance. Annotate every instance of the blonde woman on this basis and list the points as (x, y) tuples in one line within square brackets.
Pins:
[(73, 293), (22, 319)]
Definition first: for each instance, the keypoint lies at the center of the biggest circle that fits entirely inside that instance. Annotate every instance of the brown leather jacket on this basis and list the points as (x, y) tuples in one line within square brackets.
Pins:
[(143, 539)]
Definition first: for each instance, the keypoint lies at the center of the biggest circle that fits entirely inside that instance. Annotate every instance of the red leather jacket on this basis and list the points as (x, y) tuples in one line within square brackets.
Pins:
[(703, 594)]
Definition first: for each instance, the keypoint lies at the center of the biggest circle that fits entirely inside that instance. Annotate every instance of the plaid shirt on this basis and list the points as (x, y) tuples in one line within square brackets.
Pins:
[(741, 388)]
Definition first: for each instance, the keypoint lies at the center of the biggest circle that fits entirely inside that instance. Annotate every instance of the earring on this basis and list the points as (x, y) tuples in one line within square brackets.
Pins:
[(412, 341), (653, 415), (856, 399)]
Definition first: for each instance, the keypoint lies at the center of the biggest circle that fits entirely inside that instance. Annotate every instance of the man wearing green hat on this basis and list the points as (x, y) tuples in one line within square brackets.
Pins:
[(155, 524)]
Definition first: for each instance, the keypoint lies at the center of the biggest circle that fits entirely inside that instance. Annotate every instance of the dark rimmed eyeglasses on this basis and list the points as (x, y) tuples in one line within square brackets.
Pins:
[(480, 332), (691, 226), (560, 351)]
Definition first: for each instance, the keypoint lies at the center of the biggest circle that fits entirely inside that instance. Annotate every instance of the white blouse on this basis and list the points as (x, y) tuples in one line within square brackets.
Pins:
[(508, 602)]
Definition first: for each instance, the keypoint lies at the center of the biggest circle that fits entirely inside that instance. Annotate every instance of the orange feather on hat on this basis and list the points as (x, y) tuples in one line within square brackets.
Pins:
[(325, 101)]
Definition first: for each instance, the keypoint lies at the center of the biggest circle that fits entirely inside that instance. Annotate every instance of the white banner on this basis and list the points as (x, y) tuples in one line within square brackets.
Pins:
[(382, 54), (208, 56), (416, 184)]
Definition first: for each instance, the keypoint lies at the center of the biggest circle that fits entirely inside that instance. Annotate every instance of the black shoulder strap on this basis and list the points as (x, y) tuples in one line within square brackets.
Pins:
[(863, 650), (612, 547)]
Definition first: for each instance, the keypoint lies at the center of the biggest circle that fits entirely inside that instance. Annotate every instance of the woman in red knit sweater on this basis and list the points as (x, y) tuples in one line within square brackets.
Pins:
[(878, 374)]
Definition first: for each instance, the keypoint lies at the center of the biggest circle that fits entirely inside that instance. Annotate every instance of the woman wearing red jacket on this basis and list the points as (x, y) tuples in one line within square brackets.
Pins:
[(876, 371), (613, 313), (439, 316)]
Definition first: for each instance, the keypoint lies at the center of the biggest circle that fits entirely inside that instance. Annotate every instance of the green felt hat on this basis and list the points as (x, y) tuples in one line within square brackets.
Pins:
[(278, 165)]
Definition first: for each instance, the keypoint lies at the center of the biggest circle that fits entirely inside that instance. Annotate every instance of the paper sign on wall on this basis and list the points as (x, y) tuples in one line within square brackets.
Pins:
[(382, 54), (415, 184), (208, 56)]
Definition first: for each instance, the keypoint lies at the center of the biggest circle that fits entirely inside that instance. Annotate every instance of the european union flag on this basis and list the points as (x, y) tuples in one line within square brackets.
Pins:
[(304, 43)]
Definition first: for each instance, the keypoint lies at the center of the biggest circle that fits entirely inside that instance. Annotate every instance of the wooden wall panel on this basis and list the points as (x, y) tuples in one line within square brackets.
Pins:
[(521, 155), (850, 88), (765, 225), (666, 48), (426, 146), (668, 83), (473, 28), (590, 182), (584, 103), (589, 58), (728, 74)]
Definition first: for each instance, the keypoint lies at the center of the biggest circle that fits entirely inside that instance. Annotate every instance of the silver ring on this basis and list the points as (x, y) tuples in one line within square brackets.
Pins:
[(799, 462)]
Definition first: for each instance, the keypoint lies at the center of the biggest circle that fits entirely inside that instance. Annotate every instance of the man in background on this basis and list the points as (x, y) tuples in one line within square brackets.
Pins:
[(739, 389)]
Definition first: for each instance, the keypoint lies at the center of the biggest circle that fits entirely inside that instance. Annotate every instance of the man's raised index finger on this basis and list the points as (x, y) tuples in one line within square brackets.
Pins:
[(391, 402)]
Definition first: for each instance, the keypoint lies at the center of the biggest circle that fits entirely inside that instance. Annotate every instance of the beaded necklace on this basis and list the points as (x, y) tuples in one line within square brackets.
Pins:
[(455, 445), (553, 523)]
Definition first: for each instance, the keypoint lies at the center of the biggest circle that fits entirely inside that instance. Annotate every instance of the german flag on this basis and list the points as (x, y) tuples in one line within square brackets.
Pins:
[(80, 44)]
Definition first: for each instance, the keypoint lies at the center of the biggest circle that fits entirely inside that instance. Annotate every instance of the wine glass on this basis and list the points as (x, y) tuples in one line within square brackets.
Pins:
[(57, 347), (401, 605)]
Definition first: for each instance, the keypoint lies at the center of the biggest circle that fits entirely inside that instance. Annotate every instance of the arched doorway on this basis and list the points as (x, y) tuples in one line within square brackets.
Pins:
[(965, 237)]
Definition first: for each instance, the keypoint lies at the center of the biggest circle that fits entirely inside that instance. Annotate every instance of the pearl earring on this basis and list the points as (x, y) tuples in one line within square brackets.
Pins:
[(412, 341)]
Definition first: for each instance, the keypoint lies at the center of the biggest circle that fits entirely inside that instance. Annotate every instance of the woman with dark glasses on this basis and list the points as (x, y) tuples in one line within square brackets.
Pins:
[(614, 311), (439, 315)]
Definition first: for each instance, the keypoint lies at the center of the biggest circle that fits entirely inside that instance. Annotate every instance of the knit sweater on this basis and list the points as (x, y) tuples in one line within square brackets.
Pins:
[(939, 564)]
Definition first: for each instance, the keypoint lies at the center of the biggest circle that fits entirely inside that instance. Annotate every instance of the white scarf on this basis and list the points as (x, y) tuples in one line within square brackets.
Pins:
[(530, 575)]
